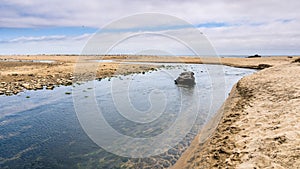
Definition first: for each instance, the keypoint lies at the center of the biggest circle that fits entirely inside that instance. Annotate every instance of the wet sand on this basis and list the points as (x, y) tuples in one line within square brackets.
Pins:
[(20, 73), (257, 127)]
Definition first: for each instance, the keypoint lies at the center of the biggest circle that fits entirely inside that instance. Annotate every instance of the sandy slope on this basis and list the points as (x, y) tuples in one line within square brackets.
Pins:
[(259, 127)]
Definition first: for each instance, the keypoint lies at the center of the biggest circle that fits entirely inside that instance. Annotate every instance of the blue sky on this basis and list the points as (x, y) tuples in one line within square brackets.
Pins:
[(233, 27)]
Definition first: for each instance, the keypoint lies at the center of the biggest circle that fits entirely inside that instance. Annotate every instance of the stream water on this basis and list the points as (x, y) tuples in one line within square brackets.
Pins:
[(40, 129)]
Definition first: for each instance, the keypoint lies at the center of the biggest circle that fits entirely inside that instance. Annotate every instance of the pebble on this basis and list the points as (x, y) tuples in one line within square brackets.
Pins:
[(26, 86), (50, 87)]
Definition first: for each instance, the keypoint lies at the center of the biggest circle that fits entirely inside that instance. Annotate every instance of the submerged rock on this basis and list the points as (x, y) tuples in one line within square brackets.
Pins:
[(186, 78)]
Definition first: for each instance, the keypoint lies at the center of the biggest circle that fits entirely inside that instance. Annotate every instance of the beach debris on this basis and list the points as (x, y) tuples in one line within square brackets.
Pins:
[(186, 78)]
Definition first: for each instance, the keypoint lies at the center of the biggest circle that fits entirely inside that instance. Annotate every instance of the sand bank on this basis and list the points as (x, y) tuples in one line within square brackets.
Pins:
[(259, 125), (18, 73)]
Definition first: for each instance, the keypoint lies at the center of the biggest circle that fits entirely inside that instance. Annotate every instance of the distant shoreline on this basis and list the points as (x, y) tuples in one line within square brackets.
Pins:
[(34, 72)]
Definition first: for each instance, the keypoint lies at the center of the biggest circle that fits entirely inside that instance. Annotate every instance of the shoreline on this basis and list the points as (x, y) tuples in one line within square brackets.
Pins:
[(35, 72), (257, 126)]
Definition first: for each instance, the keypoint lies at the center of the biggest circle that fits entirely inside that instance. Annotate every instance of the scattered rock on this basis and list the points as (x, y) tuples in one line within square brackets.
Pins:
[(186, 78)]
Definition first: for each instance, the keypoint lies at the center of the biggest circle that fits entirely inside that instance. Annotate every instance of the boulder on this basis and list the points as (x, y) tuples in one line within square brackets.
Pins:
[(186, 78), (254, 56)]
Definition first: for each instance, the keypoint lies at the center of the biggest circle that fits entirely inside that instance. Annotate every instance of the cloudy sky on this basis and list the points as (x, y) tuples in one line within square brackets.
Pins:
[(232, 26)]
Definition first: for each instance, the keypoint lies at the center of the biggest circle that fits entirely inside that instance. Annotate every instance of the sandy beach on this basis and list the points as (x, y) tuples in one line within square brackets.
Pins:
[(257, 127)]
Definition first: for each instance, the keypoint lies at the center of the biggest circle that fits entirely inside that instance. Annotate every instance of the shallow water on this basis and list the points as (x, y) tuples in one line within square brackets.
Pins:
[(34, 61), (43, 131)]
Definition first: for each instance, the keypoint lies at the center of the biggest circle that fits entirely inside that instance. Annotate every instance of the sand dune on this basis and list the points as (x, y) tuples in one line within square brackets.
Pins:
[(259, 125)]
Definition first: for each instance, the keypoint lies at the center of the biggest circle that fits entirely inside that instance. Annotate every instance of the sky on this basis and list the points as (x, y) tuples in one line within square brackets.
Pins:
[(233, 27)]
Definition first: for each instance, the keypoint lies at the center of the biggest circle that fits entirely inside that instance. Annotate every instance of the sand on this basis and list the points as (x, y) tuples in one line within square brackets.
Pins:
[(257, 127)]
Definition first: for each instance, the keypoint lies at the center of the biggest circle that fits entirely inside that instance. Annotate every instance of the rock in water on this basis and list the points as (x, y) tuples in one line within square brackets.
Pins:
[(186, 78)]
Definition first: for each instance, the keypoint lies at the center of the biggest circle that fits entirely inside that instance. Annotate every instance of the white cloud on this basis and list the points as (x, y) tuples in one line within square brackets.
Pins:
[(98, 13), (37, 38), (266, 26)]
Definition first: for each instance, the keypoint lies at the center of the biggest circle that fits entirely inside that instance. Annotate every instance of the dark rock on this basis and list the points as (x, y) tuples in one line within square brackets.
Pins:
[(280, 139), (297, 60), (263, 66), (254, 56), (186, 78)]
